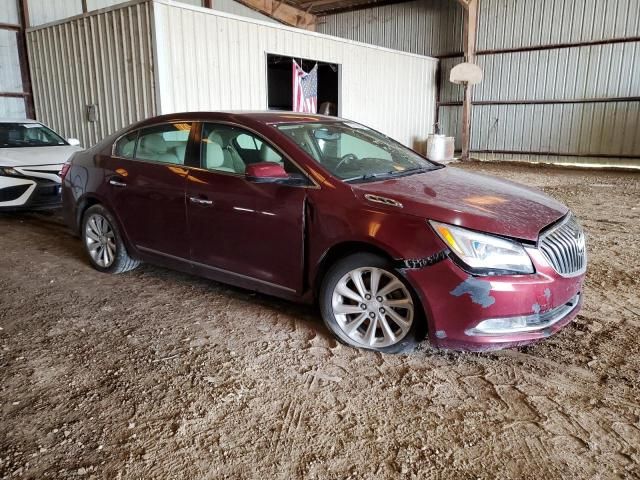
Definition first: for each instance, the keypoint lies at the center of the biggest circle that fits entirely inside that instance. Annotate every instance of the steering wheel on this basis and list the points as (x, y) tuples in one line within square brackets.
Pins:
[(345, 159)]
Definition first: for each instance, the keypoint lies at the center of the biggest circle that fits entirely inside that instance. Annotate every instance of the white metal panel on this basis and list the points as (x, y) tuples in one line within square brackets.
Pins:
[(104, 58), (10, 74), (98, 4), (9, 12), (12, 108), (45, 11), (213, 61)]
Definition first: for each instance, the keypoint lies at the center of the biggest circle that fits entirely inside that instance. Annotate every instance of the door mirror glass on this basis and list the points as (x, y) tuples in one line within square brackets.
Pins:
[(266, 172), (74, 142)]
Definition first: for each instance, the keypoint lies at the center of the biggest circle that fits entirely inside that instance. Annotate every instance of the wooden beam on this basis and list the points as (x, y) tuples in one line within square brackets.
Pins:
[(25, 72), (283, 12), (469, 39), (319, 3)]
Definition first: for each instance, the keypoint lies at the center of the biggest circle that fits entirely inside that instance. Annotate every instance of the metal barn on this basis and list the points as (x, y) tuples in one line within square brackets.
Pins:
[(96, 73)]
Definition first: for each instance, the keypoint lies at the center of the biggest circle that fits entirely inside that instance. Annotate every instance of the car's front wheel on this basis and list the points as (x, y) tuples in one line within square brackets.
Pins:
[(103, 243), (367, 304)]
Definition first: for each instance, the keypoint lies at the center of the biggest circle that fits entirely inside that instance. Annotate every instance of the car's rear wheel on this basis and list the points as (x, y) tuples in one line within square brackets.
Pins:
[(367, 304), (103, 243)]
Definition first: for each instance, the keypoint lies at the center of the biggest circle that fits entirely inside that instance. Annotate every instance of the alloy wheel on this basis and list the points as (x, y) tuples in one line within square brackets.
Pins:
[(100, 240), (373, 307)]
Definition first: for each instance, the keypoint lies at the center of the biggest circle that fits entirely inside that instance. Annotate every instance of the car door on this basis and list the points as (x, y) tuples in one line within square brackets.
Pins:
[(250, 231), (147, 188)]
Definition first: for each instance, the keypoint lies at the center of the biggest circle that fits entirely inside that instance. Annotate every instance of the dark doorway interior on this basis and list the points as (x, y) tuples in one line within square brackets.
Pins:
[(279, 87)]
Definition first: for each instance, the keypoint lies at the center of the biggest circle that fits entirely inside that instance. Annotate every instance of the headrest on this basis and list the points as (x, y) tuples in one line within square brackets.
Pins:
[(215, 155), (216, 138), (128, 148), (267, 154), (154, 143)]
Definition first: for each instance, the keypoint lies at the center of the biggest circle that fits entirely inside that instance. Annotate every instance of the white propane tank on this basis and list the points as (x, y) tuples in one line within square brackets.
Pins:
[(440, 148)]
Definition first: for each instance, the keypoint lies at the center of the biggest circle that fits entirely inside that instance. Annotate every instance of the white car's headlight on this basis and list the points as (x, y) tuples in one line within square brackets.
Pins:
[(11, 172), (482, 253)]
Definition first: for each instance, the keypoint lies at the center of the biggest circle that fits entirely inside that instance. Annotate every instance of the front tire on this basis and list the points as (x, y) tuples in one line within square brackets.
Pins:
[(103, 243), (367, 304)]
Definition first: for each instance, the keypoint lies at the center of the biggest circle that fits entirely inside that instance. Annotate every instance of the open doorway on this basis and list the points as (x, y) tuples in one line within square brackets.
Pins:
[(280, 85)]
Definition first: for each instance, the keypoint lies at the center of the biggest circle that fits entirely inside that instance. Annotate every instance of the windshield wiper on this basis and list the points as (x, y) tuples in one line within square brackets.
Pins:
[(392, 173), (368, 176)]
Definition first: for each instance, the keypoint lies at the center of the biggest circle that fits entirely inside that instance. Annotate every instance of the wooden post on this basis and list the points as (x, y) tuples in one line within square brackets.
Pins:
[(25, 22), (469, 39)]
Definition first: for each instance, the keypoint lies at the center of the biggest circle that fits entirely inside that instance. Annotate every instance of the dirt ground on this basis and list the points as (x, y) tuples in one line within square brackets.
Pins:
[(156, 374)]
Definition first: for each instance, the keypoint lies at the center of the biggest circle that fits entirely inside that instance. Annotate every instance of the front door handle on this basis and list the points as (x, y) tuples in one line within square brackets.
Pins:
[(117, 183), (200, 201)]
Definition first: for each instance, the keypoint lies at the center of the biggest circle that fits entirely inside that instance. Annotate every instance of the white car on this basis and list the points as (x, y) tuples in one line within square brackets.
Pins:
[(31, 157)]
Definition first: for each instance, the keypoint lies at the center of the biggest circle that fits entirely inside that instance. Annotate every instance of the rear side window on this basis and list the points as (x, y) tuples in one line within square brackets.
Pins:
[(164, 143), (126, 146)]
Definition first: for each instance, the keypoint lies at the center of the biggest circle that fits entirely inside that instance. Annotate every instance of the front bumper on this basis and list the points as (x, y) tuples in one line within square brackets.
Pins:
[(33, 190), (456, 303)]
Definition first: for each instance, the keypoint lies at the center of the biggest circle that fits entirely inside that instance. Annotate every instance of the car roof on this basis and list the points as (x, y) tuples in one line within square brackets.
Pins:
[(267, 117), (17, 120)]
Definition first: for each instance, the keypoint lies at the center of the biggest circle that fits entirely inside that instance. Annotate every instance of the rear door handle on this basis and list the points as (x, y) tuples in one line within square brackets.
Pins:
[(200, 201), (117, 183)]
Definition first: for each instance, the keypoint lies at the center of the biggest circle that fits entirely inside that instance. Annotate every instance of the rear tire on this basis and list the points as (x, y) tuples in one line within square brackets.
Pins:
[(103, 243), (367, 304)]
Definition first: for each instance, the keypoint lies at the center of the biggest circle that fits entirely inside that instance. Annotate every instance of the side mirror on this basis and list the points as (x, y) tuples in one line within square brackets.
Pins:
[(74, 142), (265, 172)]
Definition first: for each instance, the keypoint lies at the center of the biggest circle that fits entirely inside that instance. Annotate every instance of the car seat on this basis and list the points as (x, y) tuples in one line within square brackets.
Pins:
[(217, 157), (268, 154), (154, 147)]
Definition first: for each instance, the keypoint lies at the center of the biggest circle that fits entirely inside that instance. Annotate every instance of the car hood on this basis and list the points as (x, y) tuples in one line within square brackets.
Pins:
[(475, 201), (28, 156)]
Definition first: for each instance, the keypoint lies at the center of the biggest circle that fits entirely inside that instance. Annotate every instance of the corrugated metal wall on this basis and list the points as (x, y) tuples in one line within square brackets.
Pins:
[(425, 27), (230, 73), (103, 59), (46, 11), (562, 78)]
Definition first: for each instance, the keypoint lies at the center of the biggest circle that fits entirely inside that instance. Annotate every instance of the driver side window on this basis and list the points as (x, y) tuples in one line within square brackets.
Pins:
[(226, 148)]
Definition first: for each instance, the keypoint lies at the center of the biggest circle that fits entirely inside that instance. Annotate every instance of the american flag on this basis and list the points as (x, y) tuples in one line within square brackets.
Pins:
[(305, 89)]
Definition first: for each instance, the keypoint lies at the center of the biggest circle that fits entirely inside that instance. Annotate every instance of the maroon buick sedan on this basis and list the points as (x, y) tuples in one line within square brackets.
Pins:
[(318, 209)]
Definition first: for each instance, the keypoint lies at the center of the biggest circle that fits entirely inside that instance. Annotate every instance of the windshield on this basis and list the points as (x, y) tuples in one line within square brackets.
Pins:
[(16, 135), (353, 152)]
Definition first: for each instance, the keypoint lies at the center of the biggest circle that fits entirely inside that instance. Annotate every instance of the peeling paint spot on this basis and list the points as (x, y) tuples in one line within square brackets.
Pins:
[(477, 289), (535, 308), (441, 334), (547, 294)]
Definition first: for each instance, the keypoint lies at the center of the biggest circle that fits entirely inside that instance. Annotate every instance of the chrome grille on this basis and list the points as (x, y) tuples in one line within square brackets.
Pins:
[(563, 245)]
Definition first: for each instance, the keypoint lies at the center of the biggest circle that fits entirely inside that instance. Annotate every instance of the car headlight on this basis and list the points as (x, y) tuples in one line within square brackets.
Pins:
[(10, 172), (484, 254)]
